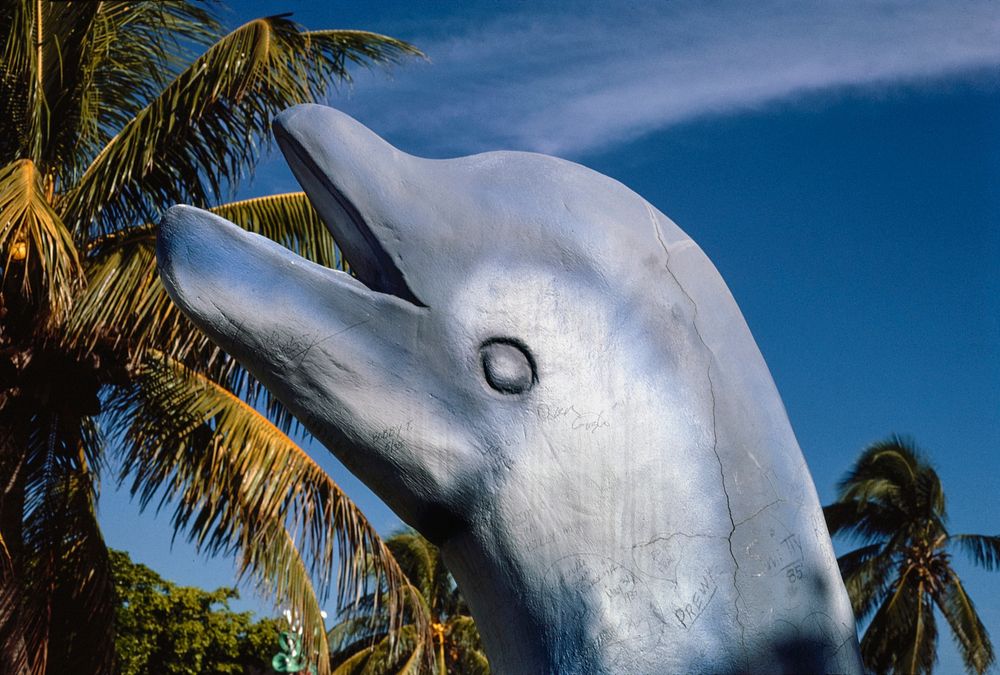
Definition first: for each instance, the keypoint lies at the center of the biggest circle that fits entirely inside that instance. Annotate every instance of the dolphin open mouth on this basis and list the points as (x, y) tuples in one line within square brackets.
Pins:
[(361, 359), (368, 258)]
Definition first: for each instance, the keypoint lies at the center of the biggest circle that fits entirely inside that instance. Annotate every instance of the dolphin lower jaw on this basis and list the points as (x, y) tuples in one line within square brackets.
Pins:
[(562, 619), (329, 348), (401, 450), (568, 617)]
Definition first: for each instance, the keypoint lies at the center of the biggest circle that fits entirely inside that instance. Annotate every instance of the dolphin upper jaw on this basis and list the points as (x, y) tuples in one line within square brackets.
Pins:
[(369, 259)]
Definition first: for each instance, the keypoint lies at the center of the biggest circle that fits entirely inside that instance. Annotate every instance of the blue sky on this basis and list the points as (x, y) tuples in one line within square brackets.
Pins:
[(838, 161)]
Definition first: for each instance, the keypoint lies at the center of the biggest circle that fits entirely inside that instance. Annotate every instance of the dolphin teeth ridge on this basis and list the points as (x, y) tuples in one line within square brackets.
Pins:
[(369, 260)]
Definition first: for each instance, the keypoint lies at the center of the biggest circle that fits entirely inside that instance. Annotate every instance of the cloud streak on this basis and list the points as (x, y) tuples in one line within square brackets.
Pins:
[(571, 83)]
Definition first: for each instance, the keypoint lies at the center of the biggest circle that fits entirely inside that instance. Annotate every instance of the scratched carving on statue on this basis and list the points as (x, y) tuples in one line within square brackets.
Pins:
[(657, 559), (391, 438), (788, 559), (577, 419), (496, 455), (609, 589), (613, 581), (703, 593)]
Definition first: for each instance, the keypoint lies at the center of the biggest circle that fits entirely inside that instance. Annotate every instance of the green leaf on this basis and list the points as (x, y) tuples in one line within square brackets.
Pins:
[(67, 601), (902, 636), (165, 628), (866, 572), (452, 644), (238, 484), (126, 303), (893, 500), (983, 549), (106, 121), (970, 634), (201, 134)]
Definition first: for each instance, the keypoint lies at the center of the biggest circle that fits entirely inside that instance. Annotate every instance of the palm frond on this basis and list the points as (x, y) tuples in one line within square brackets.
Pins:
[(126, 306), (290, 220), (356, 663), (23, 79), (866, 573), (967, 628), (72, 70), (919, 651), (894, 472), (36, 248), (105, 61), (277, 567), (865, 521), (202, 133), (462, 631), (902, 632), (385, 657), (238, 483), (417, 559), (893, 499), (364, 645), (84, 603), (983, 549), (13, 645)]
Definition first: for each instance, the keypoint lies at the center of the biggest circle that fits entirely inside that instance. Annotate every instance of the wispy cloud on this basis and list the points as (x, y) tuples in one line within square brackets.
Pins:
[(571, 81)]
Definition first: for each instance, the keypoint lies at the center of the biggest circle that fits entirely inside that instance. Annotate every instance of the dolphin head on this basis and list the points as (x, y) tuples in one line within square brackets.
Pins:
[(471, 321), (540, 372)]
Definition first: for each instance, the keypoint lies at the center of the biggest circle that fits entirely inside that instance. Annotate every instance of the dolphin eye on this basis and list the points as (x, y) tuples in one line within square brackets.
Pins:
[(507, 365)]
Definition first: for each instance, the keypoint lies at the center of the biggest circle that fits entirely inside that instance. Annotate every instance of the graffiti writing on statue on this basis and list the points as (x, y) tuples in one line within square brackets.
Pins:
[(786, 559), (391, 438), (578, 420), (688, 613), (616, 583), (496, 455)]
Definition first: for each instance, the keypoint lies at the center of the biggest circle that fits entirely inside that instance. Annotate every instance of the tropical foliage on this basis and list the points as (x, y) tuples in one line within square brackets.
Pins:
[(162, 628), (109, 115), (363, 647), (892, 503)]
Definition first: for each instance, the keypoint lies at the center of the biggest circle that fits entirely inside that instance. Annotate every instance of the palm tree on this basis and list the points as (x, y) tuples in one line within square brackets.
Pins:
[(891, 501), (363, 646), (108, 116)]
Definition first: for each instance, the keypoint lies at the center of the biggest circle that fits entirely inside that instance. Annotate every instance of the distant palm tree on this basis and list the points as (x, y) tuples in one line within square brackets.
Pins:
[(361, 647), (108, 116), (892, 502)]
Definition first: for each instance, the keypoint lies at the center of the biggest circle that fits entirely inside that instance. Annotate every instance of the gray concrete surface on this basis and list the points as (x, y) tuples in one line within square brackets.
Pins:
[(545, 376)]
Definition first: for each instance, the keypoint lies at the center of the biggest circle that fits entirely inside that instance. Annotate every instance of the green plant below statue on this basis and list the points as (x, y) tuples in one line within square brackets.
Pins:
[(360, 646)]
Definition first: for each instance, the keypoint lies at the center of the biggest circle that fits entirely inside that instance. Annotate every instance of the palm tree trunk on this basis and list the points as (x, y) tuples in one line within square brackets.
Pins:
[(13, 445)]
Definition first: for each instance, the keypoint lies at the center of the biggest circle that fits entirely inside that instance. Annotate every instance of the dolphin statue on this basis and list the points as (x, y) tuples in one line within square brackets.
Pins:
[(545, 376)]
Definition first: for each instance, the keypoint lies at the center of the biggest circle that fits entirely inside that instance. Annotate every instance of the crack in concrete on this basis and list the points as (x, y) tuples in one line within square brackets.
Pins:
[(320, 341), (668, 537), (759, 511), (715, 434)]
